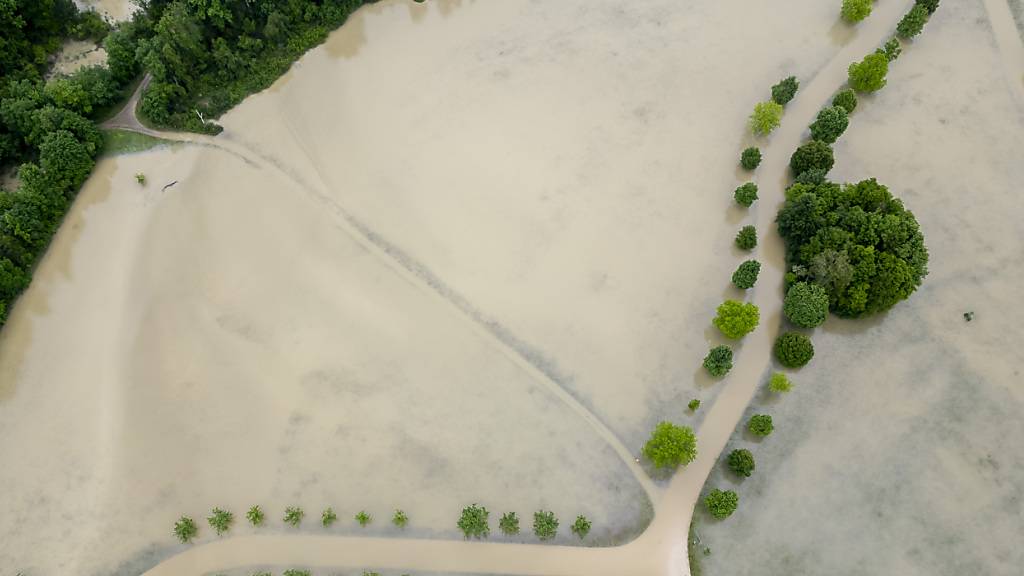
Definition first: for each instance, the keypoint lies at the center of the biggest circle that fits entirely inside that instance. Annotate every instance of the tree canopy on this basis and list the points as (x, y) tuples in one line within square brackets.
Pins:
[(671, 446)]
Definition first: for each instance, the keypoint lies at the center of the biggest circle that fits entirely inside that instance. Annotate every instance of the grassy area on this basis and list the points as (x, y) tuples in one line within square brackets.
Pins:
[(125, 142)]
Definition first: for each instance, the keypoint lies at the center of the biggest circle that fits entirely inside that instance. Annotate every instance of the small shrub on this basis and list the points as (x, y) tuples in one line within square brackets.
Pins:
[(545, 525), (912, 24), (741, 462), (745, 194), (793, 350), (296, 572), (399, 519), (328, 517), (745, 276), (255, 516), (736, 319), (868, 75), (509, 524), (806, 305), (718, 362), (581, 527), (474, 522), (293, 515), (220, 520), (813, 155), (185, 529), (891, 49), (721, 503), (140, 178), (760, 425), (779, 382), (930, 5), (693, 405), (830, 124), (750, 158), (856, 10), (363, 518), (846, 99), (671, 446), (785, 90), (766, 117), (746, 238)]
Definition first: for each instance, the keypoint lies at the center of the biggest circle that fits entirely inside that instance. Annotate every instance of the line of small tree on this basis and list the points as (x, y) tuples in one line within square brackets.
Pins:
[(220, 520), (474, 522)]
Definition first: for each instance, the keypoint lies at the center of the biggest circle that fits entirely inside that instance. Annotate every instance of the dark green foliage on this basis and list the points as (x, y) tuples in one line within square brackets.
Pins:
[(785, 90), (255, 516), (806, 305), (509, 524), (31, 31), (930, 5), (750, 158), (830, 124), (913, 22), (545, 525), (746, 238), (693, 405), (813, 155), (296, 572), (293, 515), (185, 529), (793, 350), (746, 275), (868, 75), (718, 362), (856, 241), (746, 194), (671, 446), (399, 519), (846, 99), (220, 520), (891, 49), (120, 46), (741, 462), (760, 425), (812, 176), (721, 503), (474, 522), (328, 517), (581, 527)]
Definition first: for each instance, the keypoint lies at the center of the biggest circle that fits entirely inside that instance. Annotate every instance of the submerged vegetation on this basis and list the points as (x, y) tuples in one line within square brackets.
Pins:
[(220, 520), (545, 525), (766, 117), (474, 522), (785, 90), (509, 524), (746, 238), (185, 529), (750, 158)]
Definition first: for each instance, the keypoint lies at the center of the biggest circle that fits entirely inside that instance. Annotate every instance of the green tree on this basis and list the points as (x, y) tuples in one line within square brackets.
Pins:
[(64, 160), (328, 517), (185, 529), (814, 155), (718, 362), (806, 305), (779, 382), (785, 90), (474, 522), (793, 350), (856, 10), (509, 524), (545, 525), (930, 5), (736, 319), (693, 405), (255, 516), (745, 276), (766, 117), (399, 519), (868, 75), (913, 22), (891, 49), (293, 515), (581, 527), (220, 520), (750, 158), (760, 425), (846, 99), (721, 503), (671, 446), (746, 194), (741, 462), (120, 46), (363, 518), (746, 238), (830, 124)]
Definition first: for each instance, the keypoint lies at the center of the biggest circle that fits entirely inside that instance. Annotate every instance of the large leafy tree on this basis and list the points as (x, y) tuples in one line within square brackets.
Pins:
[(671, 446)]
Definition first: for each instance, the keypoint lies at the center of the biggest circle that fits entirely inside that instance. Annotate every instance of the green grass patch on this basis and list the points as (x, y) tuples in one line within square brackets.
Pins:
[(116, 142)]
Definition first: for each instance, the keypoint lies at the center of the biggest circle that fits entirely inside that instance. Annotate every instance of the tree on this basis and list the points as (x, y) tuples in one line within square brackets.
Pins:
[(806, 305), (399, 519), (785, 90), (760, 425), (474, 523), (856, 10), (363, 518), (581, 527), (255, 516), (766, 117), (721, 503), (671, 446), (891, 49), (64, 160), (185, 529), (12, 279), (746, 238), (741, 462), (750, 158), (793, 350), (813, 155), (746, 194), (846, 99), (120, 46), (718, 362), (830, 124), (509, 524), (913, 22), (812, 176), (779, 382), (736, 319), (293, 515), (328, 517), (930, 5), (745, 276), (868, 75), (220, 520), (545, 525), (693, 405)]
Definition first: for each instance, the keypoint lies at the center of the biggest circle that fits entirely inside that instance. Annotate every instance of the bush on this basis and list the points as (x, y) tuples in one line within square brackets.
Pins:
[(185, 529), (474, 522), (868, 75), (220, 520), (830, 124), (760, 425), (718, 362), (745, 276), (856, 10), (721, 503), (746, 238), (581, 527), (856, 241), (363, 518), (671, 446), (930, 5), (746, 194), (399, 519), (813, 176), (846, 99), (736, 319), (64, 160), (806, 305), (693, 405), (750, 158), (785, 90), (509, 524), (891, 49), (741, 462), (255, 516), (766, 117), (545, 525), (814, 155), (913, 22), (328, 517), (779, 382), (793, 350), (293, 515)]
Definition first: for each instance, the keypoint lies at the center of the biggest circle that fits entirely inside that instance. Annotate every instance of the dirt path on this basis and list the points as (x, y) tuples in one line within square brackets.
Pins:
[(661, 549)]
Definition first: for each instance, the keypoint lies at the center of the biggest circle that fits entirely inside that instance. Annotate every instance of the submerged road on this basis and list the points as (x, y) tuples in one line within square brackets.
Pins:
[(661, 550)]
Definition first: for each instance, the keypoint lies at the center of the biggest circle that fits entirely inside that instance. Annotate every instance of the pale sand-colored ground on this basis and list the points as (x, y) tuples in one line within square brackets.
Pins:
[(77, 54), (899, 450)]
